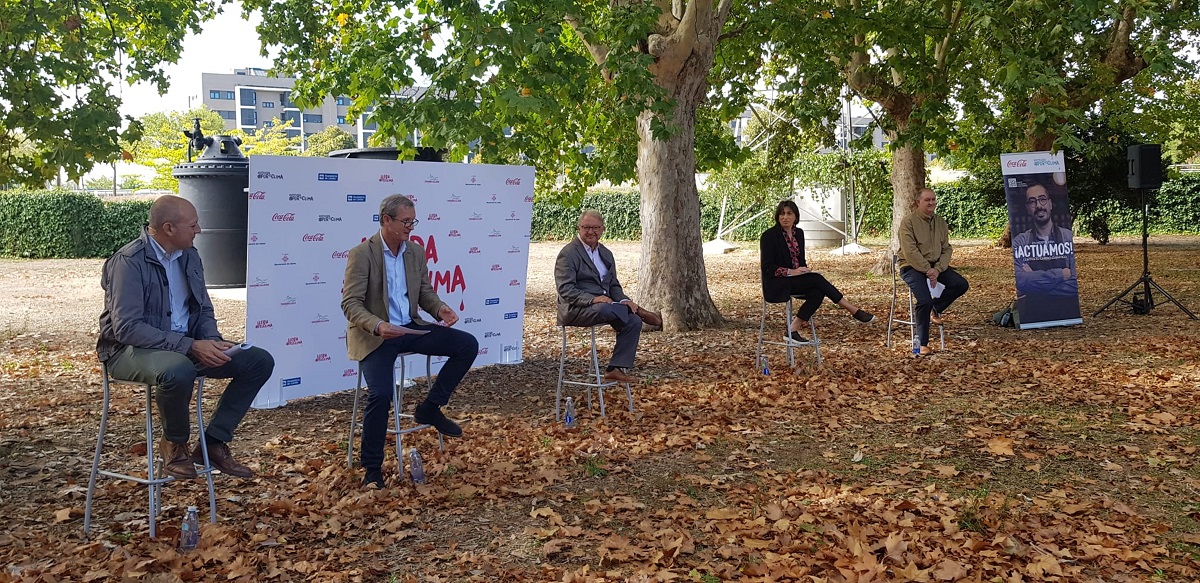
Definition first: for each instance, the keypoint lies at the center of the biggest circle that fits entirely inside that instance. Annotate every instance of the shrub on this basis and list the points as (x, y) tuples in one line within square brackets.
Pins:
[(65, 224)]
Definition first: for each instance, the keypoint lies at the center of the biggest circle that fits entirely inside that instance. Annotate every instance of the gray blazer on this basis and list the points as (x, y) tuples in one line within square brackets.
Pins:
[(579, 283), (137, 303), (365, 293)]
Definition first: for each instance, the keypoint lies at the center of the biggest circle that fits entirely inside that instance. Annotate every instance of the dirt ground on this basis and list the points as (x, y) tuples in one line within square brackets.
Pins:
[(1102, 418)]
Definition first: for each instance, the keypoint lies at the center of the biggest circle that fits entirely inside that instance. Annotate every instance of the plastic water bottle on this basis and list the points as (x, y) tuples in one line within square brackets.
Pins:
[(416, 469), (762, 365), (916, 344), (569, 413), (189, 531)]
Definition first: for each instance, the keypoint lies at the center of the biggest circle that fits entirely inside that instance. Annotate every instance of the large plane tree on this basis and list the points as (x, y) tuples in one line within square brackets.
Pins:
[(583, 90)]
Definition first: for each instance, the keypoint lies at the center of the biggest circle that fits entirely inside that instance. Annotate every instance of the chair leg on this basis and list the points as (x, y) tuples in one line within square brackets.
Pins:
[(152, 488), (208, 469), (812, 324), (787, 318), (91, 491), (397, 410), (599, 377), (353, 420), (562, 362), (762, 328)]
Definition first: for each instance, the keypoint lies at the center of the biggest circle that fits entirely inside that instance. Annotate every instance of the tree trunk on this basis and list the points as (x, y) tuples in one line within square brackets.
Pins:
[(671, 275), (908, 177)]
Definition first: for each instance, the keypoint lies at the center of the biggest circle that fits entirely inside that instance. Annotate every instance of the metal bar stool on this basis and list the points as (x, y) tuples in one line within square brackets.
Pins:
[(151, 481), (599, 385), (397, 410), (790, 344), (911, 307)]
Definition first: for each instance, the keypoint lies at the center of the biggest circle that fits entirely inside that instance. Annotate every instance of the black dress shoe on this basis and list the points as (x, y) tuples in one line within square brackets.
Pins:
[(374, 478), (429, 414)]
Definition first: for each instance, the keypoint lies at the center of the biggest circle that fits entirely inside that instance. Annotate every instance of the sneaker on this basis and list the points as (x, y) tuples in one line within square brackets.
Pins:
[(796, 337), (864, 316), (429, 414), (175, 460), (374, 478)]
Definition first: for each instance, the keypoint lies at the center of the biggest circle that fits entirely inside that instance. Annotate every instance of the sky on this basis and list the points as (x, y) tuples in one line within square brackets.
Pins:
[(228, 42)]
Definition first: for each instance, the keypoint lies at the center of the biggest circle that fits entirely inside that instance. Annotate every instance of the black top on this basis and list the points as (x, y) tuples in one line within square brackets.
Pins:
[(774, 253)]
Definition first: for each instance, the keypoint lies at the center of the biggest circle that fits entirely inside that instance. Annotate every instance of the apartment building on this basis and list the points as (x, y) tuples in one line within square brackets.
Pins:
[(248, 99)]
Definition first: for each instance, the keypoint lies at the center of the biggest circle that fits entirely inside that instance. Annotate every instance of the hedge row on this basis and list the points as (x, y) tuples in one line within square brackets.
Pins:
[(58, 223), (44, 224)]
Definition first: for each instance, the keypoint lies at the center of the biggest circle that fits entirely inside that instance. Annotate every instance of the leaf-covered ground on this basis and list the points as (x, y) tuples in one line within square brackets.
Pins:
[(1065, 454)]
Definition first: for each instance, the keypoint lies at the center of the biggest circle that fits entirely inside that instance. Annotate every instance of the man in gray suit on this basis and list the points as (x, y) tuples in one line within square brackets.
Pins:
[(589, 293)]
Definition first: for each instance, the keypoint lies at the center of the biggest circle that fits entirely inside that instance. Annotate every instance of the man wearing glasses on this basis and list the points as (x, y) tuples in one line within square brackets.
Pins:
[(1044, 261), (589, 293), (387, 279)]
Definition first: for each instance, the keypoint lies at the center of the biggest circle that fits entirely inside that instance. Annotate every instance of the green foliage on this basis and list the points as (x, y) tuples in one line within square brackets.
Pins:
[(971, 209), (57, 107), (328, 140), (162, 144), (57, 223), (1177, 205)]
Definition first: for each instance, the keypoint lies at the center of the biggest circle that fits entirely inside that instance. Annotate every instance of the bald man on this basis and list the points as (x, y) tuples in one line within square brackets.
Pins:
[(158, 327)]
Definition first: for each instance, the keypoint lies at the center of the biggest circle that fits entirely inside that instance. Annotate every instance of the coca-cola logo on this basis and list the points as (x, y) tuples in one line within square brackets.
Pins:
[(529, 199), (512, 182), (453, 233), (294, 341), (321, 357), (474, 251), (1017, 163), (258, 195), (310, 237), (285, 217), (263, 324), (341, 254), (496, 267), (385, 178)]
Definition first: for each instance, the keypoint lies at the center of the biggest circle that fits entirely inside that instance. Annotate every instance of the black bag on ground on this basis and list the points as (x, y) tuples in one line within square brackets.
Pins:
[(1007, 317)]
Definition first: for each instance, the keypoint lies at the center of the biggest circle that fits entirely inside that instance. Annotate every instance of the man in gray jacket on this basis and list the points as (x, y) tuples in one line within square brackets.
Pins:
[(158, 327), (589, 293)]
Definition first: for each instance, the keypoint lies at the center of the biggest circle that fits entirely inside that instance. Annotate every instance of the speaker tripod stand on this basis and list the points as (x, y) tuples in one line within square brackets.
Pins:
[(1144, 304)]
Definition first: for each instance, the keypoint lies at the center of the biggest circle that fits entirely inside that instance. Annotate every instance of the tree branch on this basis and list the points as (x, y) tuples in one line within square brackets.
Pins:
[(598, 52)]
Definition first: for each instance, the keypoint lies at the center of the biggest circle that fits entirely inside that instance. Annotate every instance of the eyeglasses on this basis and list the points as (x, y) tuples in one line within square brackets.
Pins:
[(583, 228), (410, 223), (1043, 199)]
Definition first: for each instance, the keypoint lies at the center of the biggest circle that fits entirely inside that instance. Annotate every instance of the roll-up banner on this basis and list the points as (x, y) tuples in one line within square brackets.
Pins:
[(1035, 184)]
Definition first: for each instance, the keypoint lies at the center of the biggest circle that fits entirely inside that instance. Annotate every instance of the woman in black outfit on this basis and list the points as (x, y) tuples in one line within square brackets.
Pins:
[(785, 273)]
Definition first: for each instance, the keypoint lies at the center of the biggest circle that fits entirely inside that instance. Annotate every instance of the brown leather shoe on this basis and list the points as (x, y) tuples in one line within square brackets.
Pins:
[(175, 460), (620, 375), (936, 318), (651, 318), (220, 458), (925, 351)]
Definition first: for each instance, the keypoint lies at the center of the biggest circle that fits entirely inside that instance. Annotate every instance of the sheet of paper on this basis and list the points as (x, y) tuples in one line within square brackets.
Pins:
[(236, 348), (935, 290), (410, 330)]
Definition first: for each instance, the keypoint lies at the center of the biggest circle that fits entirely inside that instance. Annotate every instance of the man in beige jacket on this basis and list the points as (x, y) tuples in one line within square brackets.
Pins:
[(925, 262), (387, 278)]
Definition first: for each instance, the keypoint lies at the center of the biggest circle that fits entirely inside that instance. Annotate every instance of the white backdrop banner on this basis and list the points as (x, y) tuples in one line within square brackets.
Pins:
[(306, 213)]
